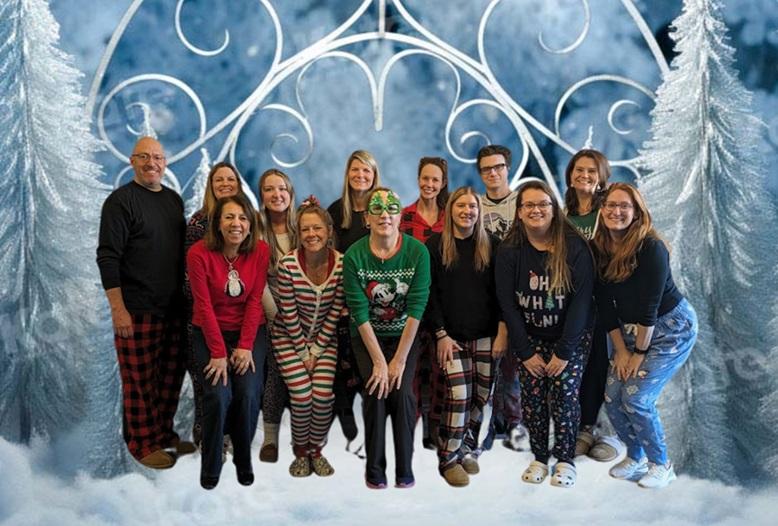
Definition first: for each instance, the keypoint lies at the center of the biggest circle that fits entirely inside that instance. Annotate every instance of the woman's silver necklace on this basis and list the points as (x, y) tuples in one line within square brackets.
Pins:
[(234, 286)]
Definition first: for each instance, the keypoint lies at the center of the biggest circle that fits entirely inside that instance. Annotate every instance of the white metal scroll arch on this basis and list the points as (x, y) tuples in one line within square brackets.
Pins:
[(335, 45)]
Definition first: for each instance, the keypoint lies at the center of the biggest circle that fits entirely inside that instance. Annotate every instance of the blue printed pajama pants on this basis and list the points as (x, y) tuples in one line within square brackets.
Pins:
[(631, 404)]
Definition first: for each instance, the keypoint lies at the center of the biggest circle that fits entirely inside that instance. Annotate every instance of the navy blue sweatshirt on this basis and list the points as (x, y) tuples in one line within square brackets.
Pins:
[(644, 296), (529, 309)]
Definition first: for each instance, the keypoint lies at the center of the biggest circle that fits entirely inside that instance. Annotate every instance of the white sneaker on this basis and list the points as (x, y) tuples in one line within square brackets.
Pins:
[(658, 476), (629, 469)]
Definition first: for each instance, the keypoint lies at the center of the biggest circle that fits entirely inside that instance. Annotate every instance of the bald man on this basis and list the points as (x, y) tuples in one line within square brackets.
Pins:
[(141, 260)]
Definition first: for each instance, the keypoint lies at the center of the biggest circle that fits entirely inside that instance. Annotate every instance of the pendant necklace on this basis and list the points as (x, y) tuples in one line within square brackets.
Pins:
[(234, 286)]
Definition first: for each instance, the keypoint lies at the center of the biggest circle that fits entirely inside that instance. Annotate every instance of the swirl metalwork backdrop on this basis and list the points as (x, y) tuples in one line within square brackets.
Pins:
[(343, 43)]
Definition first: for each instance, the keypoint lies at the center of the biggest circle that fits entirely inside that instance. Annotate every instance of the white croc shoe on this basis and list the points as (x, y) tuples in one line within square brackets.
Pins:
[(535, 473), (564, 475), (629, 469), (658, 476)]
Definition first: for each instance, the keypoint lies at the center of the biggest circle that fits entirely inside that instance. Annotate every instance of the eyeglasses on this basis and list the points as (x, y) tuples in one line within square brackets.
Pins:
[(145, 157), (545, 205), (612, 205), (376, 209), (485, 170)]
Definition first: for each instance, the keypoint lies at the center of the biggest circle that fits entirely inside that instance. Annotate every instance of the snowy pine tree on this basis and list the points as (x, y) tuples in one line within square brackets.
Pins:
[(58, 363), (706, 190)]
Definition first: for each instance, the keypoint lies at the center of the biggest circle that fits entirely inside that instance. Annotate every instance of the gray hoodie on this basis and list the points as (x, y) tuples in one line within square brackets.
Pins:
[(498, 217)]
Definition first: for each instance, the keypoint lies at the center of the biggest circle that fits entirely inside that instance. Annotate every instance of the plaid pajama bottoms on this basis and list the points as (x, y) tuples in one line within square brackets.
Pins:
[(467, 381), (152, 369)]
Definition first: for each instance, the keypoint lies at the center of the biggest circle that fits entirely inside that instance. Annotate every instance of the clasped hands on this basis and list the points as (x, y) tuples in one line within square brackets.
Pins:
[(385, 378), (626, 364), (537, 366), (241, 361)]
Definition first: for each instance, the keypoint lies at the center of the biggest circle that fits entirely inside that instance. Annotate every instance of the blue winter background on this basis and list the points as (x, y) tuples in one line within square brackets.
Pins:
[(61, 455)]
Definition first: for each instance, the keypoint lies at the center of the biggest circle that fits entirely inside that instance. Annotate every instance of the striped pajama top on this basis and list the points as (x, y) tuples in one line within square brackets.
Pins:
[(307, 313)]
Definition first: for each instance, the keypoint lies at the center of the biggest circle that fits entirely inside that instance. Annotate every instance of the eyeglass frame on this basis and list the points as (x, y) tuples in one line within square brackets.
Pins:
[(146, 157), (612, 205), (545, 205), (486, 170), (375, 209)]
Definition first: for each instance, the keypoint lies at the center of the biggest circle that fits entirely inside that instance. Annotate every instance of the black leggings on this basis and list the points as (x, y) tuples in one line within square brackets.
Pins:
[(592, 392)]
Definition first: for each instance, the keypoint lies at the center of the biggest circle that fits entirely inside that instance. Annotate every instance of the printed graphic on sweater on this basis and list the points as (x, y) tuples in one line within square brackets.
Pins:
[(387, 293), (541, 308), (496, 225)]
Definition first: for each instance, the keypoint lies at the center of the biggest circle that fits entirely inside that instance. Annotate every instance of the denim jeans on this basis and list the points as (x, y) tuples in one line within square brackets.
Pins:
[(631, 404), (235, 404)]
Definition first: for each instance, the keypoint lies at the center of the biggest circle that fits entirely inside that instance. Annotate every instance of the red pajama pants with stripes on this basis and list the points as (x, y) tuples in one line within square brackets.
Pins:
[(152, 369)]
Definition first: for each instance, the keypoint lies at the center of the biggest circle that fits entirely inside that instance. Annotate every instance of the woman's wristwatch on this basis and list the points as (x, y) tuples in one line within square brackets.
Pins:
[(440, 333), (639, 351)]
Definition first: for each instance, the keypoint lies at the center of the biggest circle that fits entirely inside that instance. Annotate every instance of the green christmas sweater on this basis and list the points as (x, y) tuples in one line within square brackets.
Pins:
[(386, 292)]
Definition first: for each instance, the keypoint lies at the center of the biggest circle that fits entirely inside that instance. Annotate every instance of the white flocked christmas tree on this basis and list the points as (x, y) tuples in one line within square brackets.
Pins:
[(58, 364), (706, 190)]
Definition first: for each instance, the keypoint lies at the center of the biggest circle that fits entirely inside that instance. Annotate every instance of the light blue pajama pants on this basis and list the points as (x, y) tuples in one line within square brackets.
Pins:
[(631, 405)]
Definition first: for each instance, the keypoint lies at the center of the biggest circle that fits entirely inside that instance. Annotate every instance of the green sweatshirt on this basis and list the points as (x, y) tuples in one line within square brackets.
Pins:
[(385, 293)]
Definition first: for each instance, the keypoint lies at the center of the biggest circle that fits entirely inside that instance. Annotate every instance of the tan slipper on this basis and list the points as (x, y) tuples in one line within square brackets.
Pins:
[(456, 476), (603, 450), (583, 443), (159, 459)]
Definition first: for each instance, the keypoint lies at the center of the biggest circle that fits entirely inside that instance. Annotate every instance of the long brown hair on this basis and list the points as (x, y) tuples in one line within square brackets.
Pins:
[(448, 246), (603, 174), (346, 198), (561, 228), (213, 236), (209, 199), (267, 225), (442, 164), (617, 261)]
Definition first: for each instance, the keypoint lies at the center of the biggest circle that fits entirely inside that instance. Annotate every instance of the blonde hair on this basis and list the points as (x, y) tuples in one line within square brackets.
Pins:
[(617, 261), (448, 246), (561, 228), (265, 223), (346, 198), (326, 218)]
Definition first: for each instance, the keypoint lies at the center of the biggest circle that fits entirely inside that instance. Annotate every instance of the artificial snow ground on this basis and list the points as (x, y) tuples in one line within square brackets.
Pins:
[(29, 496)]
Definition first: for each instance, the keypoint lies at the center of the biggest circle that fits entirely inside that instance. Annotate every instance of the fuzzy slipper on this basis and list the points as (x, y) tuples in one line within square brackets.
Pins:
[(321, 466), (564, 475), (535, 473), (604, 449), (583, 443), (301, 467)]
